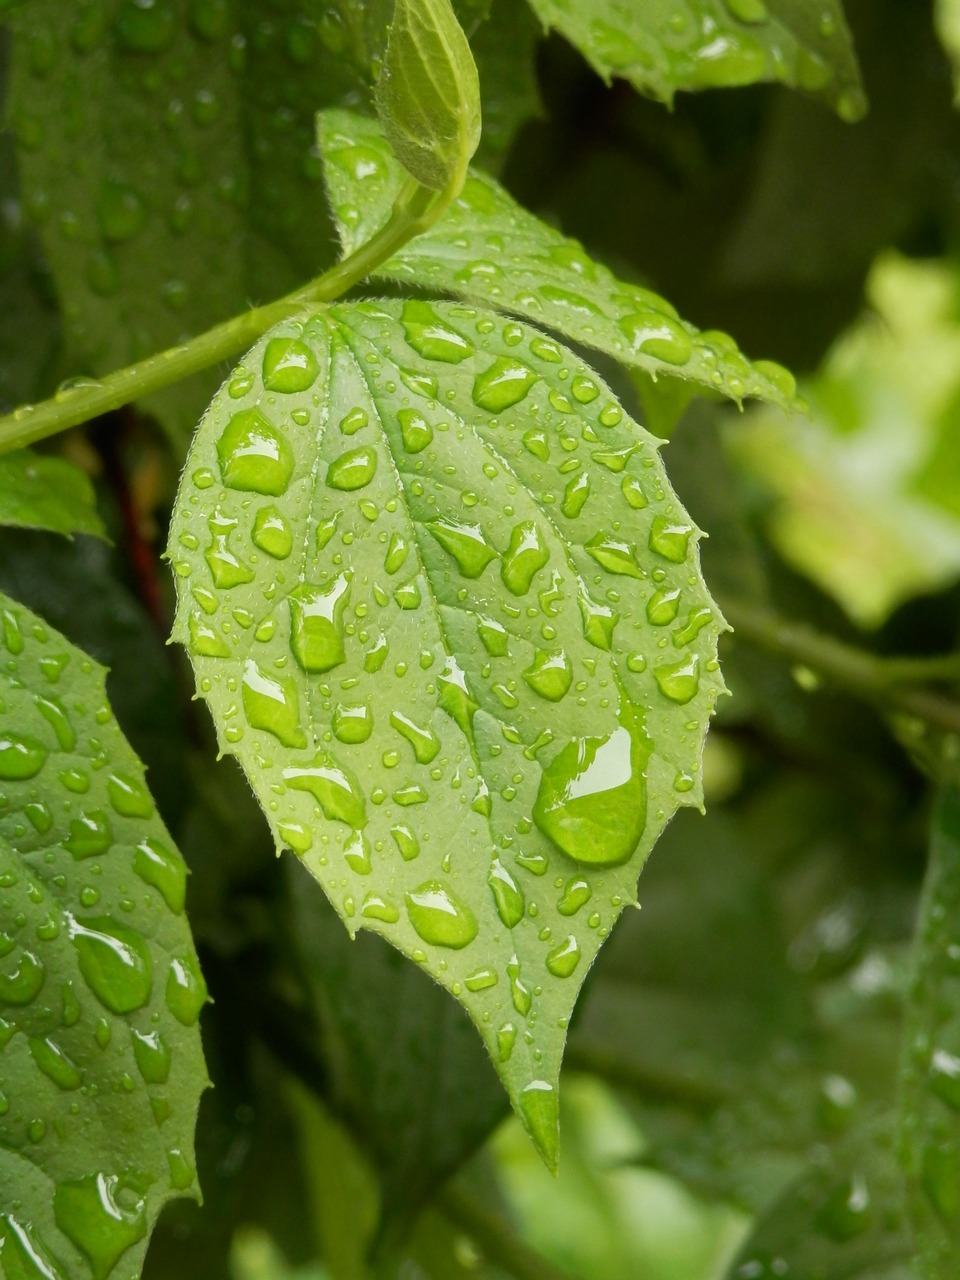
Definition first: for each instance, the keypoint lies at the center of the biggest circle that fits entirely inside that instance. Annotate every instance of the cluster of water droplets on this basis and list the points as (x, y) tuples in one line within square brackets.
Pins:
[(410, 539), (100, 990)]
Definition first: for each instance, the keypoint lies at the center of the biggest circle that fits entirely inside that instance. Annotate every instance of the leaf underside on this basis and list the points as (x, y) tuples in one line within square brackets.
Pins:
[(100, 991), (663, 46), (490, 251), (447, 612)]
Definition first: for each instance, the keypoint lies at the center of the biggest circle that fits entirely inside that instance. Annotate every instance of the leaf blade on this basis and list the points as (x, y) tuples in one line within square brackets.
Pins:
[(41, 492)]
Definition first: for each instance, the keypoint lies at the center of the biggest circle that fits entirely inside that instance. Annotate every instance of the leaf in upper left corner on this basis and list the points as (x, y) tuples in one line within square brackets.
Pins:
[(42, 492)]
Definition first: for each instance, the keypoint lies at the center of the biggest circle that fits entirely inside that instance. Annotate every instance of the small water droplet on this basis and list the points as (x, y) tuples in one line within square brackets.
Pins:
[(415, 431), (186, 991), (163, 869), (406, 842), (507, 894)]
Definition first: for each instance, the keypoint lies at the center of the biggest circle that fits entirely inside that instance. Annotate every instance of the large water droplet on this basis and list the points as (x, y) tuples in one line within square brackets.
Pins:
[(54, 712), (415, 431), (439, 918), (576, 892), (152, 1055), (186, 991), (505, 383), (521, 997), (592, 800), (432, 337), (466, 543), (289, 365), (21, 757), (614, 555), (599, 620), (507, 894), (525, 555), (425, 743), (564, 958), (662, 607), (254, 456), (90, 835), (316, 624), (353, 469), (24, 1257), (338, 795), (21, 978), (575, 495), (455, 697), (272, 533), (114, 961), (129, 796), (494, 637), (506, 1038), (679, 681), (654, 334), (163, 869), (748, 10), (272, 704), (227, 569), (406, 842), (352, 722), (103, 1214), (670, 539), (550, 675), (120, 211), (52, 1060)]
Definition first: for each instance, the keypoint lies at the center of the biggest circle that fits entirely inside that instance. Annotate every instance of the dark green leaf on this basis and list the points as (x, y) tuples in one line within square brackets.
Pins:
[(929, 1119), (451, 514), (99, 982), (663, 46), (546, 278), (41, 492)]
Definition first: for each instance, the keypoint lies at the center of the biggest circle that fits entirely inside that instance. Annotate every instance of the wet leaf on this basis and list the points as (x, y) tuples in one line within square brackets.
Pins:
[(929, 1120), (447, 612), (41, 492), (99, 985), (663, 46), (490, 251)]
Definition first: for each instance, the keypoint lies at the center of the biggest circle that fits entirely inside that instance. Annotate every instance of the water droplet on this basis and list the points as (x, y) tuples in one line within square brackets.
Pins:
[(352, 723), (289, 366), (632, 490), (204, 640), (494, 637), (407, 595), (24, 1256), (945, 1077), (781, 378), (564, 958), (338, 795), (21, 757), (129, 796), (669, 539), (575, 495), (272, 704), (505, 383), (432, 337), (592, 800), (425, 743), (466, 543), (480, 980), (52, 1060), (848, 1211), (377, 907), (316, 624), (397, 553), (541, 1114), (406, 842), (599, 620), (90, 835), (439, 918), (186, 991), (455, 697), (163, 869), (21, 978), (522, 1000), (120, 211), (585, 390), (506, 1038), (103, 1215), (681, 681), (152, 1055), (254, 456), (114, 962), (227, 570), (550, 675), (654, 334), (421, 384), (507, 894), (524, 557), (353, 469), (575, 893), (614, 556), (296, 835), (415, 431), (662, 607), (272, 534), (56, 716), (75, 780)]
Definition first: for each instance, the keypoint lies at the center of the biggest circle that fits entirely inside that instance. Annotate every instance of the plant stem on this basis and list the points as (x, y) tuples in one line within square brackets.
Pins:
[(870, 677), (496, 1239), (415, 209)]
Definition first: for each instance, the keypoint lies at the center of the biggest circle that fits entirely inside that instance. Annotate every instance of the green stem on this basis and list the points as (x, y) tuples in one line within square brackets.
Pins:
[(870, 677), (496, 1239), (415, 209)]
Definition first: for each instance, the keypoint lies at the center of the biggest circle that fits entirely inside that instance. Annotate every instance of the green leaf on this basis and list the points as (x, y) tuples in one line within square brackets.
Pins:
[(99, 982), (428, 94), (447, 613), (929, 1118), (422, 1108), (504, 48), (664, 46), (41, 492), (547, 278)]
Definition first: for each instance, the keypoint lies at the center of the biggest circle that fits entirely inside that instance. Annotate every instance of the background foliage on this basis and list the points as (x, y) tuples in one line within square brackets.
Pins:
[(763, 1072)]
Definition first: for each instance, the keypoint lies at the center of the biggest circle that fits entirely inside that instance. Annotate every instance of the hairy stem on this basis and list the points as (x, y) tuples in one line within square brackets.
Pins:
[(495, 1237), (416, 209), (875, 679)]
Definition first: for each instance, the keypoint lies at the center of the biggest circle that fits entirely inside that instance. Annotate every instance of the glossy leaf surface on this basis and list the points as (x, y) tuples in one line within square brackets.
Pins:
[(40, 492), (447, 612), (489, 250), (663, 46), (100, 990)]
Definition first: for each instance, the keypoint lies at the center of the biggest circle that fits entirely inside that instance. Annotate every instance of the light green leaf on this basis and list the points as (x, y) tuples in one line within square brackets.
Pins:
[(663, 46), (947, 17), (489, 250), (859, 495), (448, 614), (428, 94), (99, 985), (929, 1120), (41, 492)]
